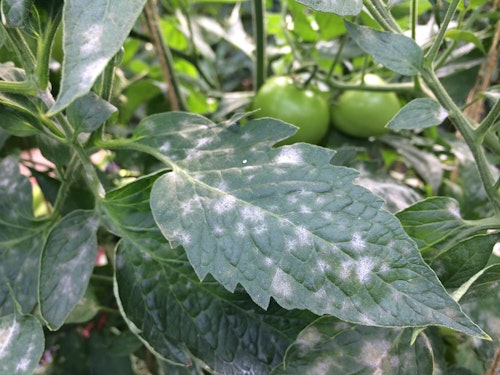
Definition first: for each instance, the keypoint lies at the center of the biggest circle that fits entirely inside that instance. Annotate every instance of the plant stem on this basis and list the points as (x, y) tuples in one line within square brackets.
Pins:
[(467, 131), (164, 56), (44, 45), (258, 10), (431, 55), (23, 88), (379, 11), (489, 120)]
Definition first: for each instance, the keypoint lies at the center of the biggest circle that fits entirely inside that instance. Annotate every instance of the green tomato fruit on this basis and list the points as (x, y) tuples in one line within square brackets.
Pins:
[(364, 113), (307, 109)]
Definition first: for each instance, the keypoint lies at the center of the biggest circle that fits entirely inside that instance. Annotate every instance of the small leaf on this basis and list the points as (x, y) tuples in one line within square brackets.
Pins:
[(395, 51), (285, 223), (418, 114), (66, 264), (21, 344), (21, 239), (331, 347), (86, 308), (93, 32), (340, 7), (461, 262), (486, 285), (90, 111), (466, 36)]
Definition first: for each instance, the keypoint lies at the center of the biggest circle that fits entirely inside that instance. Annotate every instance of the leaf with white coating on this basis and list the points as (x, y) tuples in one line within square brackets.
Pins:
[(21, 344), (285, 223), (66, 265), (340, 7)]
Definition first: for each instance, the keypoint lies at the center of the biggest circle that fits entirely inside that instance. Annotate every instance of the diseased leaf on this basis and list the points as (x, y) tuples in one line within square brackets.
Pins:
[(340, 7), (21, 344), (395, 51), (285, 223), (66, 265), (168, 307), (486, 285), (418, 114), (21, 239), (331, 347), (461, 262), (93, 32)]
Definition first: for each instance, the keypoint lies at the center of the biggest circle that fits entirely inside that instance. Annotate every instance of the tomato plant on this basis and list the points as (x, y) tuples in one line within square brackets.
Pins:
[(362, 113), (282, 98), (146, 228)]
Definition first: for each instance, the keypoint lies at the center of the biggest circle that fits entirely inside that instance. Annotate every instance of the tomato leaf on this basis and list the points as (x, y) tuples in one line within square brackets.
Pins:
[(21, 344), (66, 264), (340, 7), (331, 347), (285, 223), (466, 36), (156, 286), (93, 32), (418, 114), (15, 12), (395, 51), (87, 113), (20, 234)]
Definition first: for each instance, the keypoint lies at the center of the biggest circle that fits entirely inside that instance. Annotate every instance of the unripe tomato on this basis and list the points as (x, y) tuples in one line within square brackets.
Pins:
[(364, 113), (307, 109)]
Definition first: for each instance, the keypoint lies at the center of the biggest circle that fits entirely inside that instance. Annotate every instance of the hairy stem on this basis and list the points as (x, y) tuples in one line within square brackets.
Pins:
[(379, 11), (431, 55), (258, 9)]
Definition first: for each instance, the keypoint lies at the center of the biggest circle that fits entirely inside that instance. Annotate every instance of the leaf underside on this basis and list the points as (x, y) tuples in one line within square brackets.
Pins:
[(285, 223)]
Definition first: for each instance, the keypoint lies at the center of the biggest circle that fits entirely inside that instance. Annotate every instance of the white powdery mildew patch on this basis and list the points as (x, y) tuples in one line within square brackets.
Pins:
[(182, 236), (241, 229), (92, 42), (280, 285), (302, 236), (308, 340), (23, 364), (203, 141), (346, 269), (90, 72), (165, 147), (357, 242), (252, 214), (373, 353), (323, 266), (289, 155), (364, 269), (225, 204), (454, 211), (6, 334)]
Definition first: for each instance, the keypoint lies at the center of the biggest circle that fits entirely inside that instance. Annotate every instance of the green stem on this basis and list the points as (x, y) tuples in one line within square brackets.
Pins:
[(24, 88), (407, 87), (164, 56), (467, 131), (44, 46), (258, 19), (489, 120), (379, 11), (431, 55), (22, 49), (414, 18), (66, 182)]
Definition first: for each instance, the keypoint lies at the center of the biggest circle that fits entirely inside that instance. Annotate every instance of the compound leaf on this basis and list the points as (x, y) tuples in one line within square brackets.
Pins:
[(21, 344), (157, 288), (285, 223), (93, 32), (66, 265)]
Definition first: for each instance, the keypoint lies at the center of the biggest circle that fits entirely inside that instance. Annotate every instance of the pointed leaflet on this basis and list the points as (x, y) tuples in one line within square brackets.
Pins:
[(21, 344), (418, 114), (395, 51), (93, 33), (21, 239), (331, 347), (66, 265), (285, 223), (340, 7), (168, 307)]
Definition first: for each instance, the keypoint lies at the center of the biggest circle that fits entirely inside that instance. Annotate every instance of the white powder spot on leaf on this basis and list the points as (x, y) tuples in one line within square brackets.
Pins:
[(203, 141), (346, 269), (374, 352), (308, 340), (252, 214), (454, 210), (357, 242), (289, 155), (23, 364), (280, 285), (165, 147), (225, 204), (364, 268), (442, 114)]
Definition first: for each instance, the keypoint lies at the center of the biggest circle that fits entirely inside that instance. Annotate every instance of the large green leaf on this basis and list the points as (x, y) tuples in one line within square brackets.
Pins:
[(168, 307), (21, 344), (66, 265), (93, 32), (21, 239), (331, 347), (395, 51), (340, 7), (285, 223)]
